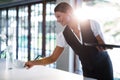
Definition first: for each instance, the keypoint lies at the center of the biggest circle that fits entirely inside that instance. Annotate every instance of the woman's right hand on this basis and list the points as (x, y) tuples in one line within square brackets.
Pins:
[(29, 64)]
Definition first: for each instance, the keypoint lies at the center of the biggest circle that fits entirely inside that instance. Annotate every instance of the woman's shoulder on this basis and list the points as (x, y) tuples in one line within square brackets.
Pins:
[(94, 21)]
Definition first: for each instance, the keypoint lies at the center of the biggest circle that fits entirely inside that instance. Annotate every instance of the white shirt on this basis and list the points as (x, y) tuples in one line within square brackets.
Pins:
[(95, 26)]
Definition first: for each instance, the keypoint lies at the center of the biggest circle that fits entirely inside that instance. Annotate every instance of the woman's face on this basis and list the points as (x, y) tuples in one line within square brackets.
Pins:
[(62, 18)]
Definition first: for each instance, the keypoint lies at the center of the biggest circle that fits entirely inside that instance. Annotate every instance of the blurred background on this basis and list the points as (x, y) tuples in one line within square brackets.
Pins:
[(31, 28)]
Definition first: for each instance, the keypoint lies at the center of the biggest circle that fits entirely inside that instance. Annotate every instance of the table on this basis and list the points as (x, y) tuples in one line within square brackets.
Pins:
[(36, 73)]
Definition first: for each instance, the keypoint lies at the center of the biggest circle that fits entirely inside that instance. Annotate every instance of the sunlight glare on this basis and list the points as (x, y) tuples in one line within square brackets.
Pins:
[(82, 13), (106, 13)]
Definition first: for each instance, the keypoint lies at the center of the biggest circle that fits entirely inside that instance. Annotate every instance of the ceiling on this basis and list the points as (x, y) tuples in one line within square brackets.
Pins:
[(6, 1)]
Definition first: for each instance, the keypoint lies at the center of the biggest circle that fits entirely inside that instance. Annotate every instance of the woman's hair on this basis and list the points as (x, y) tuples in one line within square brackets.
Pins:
[(63, 7)]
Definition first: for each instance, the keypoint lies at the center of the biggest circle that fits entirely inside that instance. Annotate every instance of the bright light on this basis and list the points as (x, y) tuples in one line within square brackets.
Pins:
[(80, 14), (83, 13), (106, 13), (87, 13)]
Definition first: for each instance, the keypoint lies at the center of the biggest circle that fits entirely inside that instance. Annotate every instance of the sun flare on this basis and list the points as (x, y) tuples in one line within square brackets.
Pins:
[(80, 14)]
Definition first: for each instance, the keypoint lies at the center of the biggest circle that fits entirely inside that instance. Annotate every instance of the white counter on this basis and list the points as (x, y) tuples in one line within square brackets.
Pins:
[(36, 73)]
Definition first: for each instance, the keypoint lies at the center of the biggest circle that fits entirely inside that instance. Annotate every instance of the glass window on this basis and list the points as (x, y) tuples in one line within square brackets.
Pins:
[(12, 29), (23, 33), (36, 30), (23, 28), (3, 29)]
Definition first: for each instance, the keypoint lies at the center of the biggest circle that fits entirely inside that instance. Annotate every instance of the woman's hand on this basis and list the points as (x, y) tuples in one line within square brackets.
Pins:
[(100, 48), (100, 41), (29, 64)]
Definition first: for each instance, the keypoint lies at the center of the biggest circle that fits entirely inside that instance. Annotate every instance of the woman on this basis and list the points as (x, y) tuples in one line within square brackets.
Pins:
[(96, 64)]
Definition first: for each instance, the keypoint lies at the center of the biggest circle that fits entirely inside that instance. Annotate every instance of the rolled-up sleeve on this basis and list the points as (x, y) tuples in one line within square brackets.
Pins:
[(96, 28), (61, 40)]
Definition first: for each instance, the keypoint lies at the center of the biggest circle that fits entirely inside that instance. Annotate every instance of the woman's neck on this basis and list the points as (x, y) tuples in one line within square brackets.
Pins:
[(73, 24)]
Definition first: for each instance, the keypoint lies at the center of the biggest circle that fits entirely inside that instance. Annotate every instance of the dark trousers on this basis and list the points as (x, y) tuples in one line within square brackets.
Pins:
[(102, 70)]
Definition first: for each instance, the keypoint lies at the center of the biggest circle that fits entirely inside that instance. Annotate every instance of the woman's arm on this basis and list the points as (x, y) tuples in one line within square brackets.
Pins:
[(47, 60), (100, 41)]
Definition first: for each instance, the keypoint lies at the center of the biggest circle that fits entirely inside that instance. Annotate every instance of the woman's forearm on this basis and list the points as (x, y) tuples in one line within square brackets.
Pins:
[(43, 61)]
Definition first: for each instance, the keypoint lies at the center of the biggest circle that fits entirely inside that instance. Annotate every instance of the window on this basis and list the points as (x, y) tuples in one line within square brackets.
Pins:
[(26, 29)]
